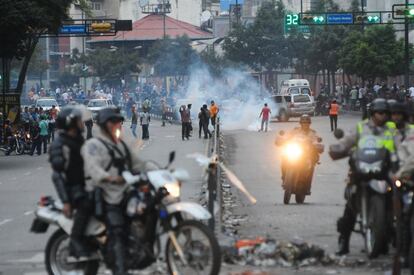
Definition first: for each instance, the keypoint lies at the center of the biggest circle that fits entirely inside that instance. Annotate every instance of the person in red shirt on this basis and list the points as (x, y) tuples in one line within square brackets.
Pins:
[(265, 114)]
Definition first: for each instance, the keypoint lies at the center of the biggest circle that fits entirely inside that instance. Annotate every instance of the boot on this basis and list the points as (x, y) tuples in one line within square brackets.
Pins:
[(343, 245), (77, 249)]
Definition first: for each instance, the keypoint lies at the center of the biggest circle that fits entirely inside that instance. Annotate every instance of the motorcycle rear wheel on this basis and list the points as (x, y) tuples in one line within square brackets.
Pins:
[(198, 254), (56, 253), (375, 237)]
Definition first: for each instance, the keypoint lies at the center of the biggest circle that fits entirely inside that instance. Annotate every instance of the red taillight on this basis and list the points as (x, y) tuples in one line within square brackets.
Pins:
[(44, 201)]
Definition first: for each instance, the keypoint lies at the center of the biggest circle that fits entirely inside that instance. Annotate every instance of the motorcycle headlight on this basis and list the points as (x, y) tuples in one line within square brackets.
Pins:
[(173, 189), (28, 135), (292, 151)]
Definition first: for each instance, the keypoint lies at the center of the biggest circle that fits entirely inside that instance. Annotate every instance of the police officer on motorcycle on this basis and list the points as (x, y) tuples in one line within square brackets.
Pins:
[(376, 125), (304, 130), (108, 156), (68, 176), (399, 117)]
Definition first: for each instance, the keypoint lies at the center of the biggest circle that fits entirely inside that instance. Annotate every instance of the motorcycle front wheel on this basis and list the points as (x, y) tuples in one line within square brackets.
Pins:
[(375, 238), (56, 257), (200, 248)]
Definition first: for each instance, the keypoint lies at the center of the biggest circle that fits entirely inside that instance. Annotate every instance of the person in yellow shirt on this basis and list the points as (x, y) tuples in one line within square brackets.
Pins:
[(213, 112)]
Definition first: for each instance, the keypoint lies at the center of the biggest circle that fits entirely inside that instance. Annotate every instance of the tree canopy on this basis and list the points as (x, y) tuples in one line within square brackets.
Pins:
[(373, 53)]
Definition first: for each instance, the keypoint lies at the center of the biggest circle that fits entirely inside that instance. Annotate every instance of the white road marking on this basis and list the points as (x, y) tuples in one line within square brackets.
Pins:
[(5, 221), (27, 174), (37, 258), (169, 136), (28, 213), (13, 178), (40, 168)]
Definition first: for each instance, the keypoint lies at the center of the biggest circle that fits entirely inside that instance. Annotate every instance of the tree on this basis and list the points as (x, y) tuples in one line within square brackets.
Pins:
[(110, 65), (22, 22), (373, 54), (38, 64), (172, 57), (261, 45)]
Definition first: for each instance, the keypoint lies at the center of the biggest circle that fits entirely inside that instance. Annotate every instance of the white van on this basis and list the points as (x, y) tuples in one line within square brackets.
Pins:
[(296, 87)]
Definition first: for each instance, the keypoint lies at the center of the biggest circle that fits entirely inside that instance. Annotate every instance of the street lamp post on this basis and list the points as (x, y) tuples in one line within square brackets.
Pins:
[(407, 50)]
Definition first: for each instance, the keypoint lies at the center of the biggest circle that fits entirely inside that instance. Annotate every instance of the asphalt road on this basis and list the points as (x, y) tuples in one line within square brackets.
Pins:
[(254, 158)]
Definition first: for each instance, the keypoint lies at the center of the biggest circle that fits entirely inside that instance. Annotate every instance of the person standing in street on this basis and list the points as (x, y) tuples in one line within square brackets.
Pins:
[(265, 115), (190, 124), (52, 123), (44, 134), (89, 125), (333, 114), (213, 113), (36, 140), (185, 122), (145, 120), (206, 121), (134, 121)]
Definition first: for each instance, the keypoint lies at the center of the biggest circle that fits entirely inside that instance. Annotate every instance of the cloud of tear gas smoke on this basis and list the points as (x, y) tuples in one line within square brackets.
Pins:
[(237, 94)]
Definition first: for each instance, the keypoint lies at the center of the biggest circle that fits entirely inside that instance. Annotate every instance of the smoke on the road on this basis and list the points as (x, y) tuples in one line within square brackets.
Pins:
[(237, 94)]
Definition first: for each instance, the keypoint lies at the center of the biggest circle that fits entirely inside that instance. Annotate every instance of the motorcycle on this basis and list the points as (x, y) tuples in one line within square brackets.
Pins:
[(371, 193), (157, 219), (403, 217), (298, 167)]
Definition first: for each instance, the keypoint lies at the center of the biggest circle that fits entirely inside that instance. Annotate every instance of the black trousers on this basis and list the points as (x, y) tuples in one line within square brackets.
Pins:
[(36, 145), (117, 232), (145, 131), (44, 143), (51, 136), (84, 210), (334, 121), (185, 130)]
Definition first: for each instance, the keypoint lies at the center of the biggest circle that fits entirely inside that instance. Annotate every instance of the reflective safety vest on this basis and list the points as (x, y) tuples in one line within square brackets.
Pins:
[(386, 140), (333, 111)]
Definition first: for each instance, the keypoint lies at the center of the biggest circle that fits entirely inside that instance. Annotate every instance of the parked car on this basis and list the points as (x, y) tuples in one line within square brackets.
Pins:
[(46, 103), (293, 105), (95, 105)]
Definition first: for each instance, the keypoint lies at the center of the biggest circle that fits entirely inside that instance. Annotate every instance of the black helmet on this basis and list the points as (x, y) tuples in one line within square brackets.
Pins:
[(397, 107), (107, 114), (68, 117), (379, 105), (305, 119)]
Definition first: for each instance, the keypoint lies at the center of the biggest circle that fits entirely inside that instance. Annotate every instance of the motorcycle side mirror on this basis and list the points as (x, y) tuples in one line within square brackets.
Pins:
[(281, 132), (319, 139), (339, 133), (172, 157)]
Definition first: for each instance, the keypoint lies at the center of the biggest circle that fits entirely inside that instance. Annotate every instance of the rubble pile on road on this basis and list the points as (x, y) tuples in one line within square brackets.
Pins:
[(261, 252)]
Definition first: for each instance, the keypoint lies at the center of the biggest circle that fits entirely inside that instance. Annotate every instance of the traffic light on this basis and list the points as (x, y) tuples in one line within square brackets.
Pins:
[(310, 19), (372, 19), (368, 19), (101, 27), (405, 12)]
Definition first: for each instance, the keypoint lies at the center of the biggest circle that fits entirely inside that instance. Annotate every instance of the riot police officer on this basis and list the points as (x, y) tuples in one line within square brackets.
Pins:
[(68, 176), (108, 156), (399, 115), (376, 125)]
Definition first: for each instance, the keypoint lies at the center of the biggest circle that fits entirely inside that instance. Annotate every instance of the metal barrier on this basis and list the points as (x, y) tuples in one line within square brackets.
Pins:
[(214, 174)]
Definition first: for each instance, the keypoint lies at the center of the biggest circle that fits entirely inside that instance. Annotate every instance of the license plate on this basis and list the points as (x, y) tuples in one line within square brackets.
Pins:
[(39, 226)]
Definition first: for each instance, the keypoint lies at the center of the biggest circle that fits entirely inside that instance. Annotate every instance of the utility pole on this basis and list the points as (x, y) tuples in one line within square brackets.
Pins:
[(407, 50)]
